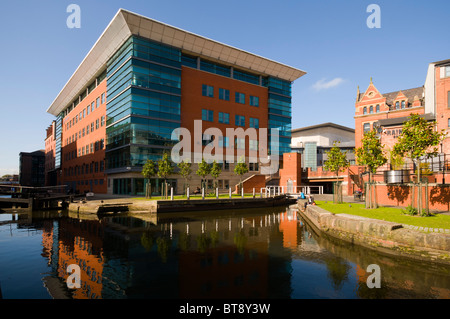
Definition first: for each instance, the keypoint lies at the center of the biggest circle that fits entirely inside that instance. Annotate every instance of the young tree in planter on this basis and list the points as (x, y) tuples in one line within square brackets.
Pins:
[(148, 171), (371, 155), (418, 139), (240, 169), (185, 171), (165, 169), (216, 169), (336, 162), (203, 170)]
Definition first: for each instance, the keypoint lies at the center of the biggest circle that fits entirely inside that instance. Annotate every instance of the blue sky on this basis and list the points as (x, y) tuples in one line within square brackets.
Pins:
[(328, 39)]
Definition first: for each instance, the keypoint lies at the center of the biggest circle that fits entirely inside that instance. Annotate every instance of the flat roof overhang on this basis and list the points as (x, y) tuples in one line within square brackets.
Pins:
[(126, 23)]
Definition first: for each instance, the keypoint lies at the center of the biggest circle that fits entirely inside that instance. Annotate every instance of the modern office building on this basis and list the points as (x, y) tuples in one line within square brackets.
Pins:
[(141, 80)]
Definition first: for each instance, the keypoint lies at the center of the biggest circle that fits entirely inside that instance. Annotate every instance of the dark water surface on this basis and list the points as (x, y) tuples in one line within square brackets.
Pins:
[(255, 253)]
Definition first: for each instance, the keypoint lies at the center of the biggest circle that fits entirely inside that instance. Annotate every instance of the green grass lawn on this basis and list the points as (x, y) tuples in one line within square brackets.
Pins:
[(391, 214)]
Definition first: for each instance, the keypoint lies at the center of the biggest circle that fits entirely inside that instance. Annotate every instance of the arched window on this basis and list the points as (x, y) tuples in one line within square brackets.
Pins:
[(365, 110), (371, 109), (377, 108)]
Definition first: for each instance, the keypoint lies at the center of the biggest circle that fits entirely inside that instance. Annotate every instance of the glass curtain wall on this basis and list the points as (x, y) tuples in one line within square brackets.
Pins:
[(143, 106)]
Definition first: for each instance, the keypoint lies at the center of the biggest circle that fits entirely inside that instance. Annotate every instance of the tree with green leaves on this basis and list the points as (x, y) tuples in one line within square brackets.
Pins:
[(371, 155), (240, 169), (203, 170), (216, 169), (148, 171), (165, 169), (185, 171), (419, 139), (336, 162)]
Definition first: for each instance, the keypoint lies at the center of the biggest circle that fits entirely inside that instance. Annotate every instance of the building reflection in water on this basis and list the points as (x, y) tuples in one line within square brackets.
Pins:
[(239, 254)]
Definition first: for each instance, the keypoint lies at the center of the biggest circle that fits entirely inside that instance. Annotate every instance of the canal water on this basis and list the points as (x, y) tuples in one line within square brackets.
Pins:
[(254, 253)]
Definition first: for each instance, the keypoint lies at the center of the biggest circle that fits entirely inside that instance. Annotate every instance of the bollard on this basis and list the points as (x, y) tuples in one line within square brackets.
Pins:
[(242, 192), (217, 193), (171, 193), (187, 193), (253, 192), (203, 193), (261, 193), (230, 192)]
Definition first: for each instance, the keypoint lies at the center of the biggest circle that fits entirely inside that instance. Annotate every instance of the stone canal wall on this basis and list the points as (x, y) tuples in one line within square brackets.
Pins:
[(386, 237)]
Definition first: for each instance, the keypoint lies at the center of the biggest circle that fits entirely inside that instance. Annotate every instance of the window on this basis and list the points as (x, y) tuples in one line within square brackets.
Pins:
[(207, 90), (92, 147), (448, 99), (253, 145), (366, 127), (403, 104), (254, 122), (240, 98), (447, 71), (87, 130), (224, 94), (103, 121), (371, 109), (365, 110), (92, 127), (84, 113), (397, 105), (84, 131), (239, 143), (254, 100), (206, 139), (92, 107), (448, 124), (207, 115), (97, 103), (253, 167), (223, 141), (377, 109), (239, 120), (103, 98), (97, 123), (224, 118), (87, 110)]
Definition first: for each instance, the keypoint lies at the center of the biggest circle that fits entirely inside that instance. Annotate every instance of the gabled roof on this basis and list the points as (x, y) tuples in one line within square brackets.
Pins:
[(409, 93), (126, 23)]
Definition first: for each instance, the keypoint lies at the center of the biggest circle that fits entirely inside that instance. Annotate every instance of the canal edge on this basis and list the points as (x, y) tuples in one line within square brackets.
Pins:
[(385, 237)]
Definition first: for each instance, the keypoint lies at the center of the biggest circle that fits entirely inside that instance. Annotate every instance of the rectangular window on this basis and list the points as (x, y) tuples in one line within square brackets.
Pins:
[(84, 131), (87, 130), (240, 98), (366, 127), (223, 141), (97, 103), (102, 164), (103, 98), (239, 120), (103, 121), (448, 99), (87, 110), (92, 127), (254, 100), (253, 145), (84, 113), (224, 118), (448, 124), (239, 143), (92, 147), (97, 123), (224, 94), (207, 115), (447, 71), (254, 122), (92, 107), (207, 90)]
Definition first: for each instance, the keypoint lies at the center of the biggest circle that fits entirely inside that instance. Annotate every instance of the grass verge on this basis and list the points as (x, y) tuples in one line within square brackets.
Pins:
[(391, 214)]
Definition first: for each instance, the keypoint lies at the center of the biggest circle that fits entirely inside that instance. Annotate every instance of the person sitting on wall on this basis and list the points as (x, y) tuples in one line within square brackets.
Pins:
[(310, 201), (302, 196)]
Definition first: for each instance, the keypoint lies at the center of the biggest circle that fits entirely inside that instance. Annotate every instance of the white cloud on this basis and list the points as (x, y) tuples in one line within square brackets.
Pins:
[(323, 84)]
